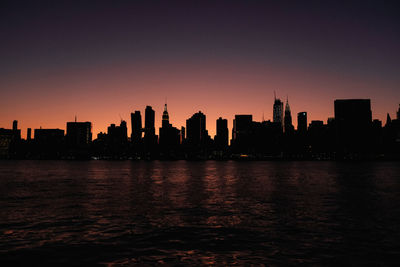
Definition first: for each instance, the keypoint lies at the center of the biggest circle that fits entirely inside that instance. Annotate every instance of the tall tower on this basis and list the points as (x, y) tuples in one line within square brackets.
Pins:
[(221, 138), (149, 121), (29, 134), (15, 125), (165, 117), (302, 122), (196, 132), (398, 113), (288, 117), (278, 111), (136, 124)]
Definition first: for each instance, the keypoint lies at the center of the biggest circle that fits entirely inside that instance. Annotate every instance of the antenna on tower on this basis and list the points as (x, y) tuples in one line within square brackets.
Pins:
[(274, 95), (75, 118), (263, 117)]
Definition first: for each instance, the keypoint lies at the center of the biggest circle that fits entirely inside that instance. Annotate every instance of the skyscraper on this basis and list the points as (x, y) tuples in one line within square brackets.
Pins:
[(288, 118), (169, 136), (16, 132), (79, 133), (278, 112), (242, 126), (196, 129), (149, 129), (302, 122), (29, 134), (117, 134), (150, 138), (136, 124), (221, 138), (398, 113), (242, 133), (165, 117), (15, 125)]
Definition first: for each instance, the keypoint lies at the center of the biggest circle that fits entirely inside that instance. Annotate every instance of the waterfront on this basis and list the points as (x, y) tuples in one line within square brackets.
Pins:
[(195, 213)]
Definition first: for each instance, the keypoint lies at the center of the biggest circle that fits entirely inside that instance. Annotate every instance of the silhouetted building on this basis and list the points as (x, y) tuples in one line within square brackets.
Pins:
[(353, 125), (278, 112), (391, 137), (315, 124), (49, 136), (221, 138), (118, 135), (101, 137), (136, 126), (149, 128), (9, 141), (150, 138), (169, 136), (49, 143), (302, 122), (242, 126), (318, 138), (196, 129), (289, 129), (377, 136), (29, 134), (79, 134), (165, 117), (398, 113), (242, 131), (388, 120), (182, 135), (16, 131)]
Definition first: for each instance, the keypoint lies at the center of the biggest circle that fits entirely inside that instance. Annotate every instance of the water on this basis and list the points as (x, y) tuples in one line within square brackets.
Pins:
[(195, 213)]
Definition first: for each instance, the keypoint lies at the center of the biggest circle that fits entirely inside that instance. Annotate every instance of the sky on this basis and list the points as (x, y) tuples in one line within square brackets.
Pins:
[(102, 60)]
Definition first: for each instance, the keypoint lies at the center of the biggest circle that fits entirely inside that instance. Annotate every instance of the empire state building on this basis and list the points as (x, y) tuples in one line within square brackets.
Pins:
[(165, 117)]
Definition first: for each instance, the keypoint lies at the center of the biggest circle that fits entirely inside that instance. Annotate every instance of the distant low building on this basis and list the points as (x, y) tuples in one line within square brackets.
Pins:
[(9, 140)]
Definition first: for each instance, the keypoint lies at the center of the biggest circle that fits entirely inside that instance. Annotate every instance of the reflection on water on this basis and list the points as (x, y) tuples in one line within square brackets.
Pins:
[(225, 213)]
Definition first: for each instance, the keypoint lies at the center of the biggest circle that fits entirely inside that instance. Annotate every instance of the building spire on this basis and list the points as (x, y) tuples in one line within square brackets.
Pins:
[(287, 107), (165, 116), (388, 119)]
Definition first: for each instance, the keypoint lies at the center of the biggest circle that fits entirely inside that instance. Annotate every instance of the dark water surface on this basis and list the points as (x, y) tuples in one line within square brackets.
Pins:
[(195, 213)]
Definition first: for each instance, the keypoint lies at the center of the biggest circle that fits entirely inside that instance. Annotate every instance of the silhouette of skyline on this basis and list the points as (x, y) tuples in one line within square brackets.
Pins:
[(351, 134), (61, 58)]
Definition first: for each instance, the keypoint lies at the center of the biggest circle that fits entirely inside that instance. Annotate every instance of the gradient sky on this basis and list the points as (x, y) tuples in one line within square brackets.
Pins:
[(101, 60)]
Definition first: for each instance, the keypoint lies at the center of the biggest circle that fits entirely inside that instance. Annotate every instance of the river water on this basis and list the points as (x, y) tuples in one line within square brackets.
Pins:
[(197, 213)]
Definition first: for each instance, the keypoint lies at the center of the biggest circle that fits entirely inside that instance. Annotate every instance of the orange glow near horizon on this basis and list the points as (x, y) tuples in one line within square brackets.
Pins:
[(104, 94)]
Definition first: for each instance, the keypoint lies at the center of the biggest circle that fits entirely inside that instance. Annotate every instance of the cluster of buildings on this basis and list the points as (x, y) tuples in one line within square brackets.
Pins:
[(351, 134)]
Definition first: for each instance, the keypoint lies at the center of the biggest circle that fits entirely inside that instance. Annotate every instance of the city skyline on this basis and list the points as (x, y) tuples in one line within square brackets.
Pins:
[(352, 133), (103, 61), (158, 122), (190, 133)]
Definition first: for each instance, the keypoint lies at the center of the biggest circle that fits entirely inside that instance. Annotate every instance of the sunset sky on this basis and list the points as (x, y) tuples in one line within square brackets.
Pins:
[(102, 60)]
